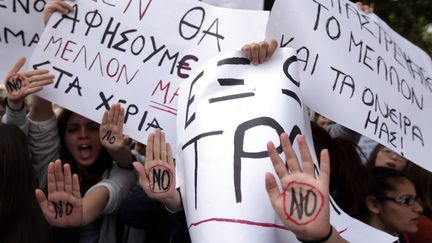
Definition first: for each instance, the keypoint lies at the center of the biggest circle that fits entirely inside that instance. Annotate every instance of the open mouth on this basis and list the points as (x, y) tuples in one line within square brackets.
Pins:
[(85, 150)]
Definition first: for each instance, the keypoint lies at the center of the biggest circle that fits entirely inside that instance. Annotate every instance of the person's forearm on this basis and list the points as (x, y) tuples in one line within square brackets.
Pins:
[(40, 109), (16, 116), (15, 105), (93, 204), (123, 157)]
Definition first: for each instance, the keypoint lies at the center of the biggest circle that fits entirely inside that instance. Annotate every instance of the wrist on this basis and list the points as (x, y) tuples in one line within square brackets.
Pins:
[(320, 240), (15, 105), (172, 203)]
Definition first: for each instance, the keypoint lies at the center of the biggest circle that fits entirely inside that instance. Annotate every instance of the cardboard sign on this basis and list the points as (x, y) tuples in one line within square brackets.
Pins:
[(358, 72), (228, 111), (136, 54), (20, 27)]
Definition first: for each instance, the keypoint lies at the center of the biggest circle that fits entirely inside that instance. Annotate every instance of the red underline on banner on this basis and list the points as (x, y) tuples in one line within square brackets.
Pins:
[(158, 108), (239, 221), (169, 107)]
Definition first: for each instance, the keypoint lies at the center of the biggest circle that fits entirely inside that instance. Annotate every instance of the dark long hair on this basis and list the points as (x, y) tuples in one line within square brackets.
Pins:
[(381, 180), (21, 219), (94, 173), (347, 171)]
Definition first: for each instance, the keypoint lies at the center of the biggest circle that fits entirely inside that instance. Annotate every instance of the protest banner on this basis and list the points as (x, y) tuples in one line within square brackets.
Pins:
[(20, 28), (136, 54), (228, 111), (358, 72)]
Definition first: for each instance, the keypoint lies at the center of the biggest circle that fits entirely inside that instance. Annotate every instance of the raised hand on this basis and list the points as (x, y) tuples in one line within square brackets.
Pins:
[(111, 129), (56, 5), (19, 85), (157, 176), (258, 53), (303, 205), (64, 205)]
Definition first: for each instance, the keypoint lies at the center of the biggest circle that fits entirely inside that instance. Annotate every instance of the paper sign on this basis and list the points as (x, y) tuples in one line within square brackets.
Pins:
[(228, 111), (136, 54), (20, 27), (358, 72)]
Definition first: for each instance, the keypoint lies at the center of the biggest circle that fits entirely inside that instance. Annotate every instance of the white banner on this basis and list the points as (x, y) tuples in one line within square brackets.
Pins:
[(240, 4), (20, 27), (137, 55), (358, 72), (228, 111)]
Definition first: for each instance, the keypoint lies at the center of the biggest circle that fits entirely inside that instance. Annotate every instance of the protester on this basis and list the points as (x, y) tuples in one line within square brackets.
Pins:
[(322, 121), (22, 84), (319, 229), (89, 151), (347, 185), (422, 180), (382, 156), (90, 154), (391, 204), (21, 219)]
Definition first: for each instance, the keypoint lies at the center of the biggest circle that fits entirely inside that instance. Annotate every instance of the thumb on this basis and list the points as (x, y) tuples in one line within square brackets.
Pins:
[(43, 201), (272, 188), (141, 174)]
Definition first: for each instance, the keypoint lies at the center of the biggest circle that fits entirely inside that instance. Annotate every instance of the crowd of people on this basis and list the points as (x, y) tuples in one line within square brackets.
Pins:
[(63, 179)]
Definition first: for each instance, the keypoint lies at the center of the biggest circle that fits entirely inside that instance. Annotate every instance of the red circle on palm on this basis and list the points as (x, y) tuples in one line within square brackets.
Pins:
[(308, 187)]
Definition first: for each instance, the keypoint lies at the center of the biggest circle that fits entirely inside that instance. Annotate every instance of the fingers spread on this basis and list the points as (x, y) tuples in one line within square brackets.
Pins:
[(277, 162), (59, 178), (156, 145), (163, 149), (170, 157), (307, 162), (105, 118), (290, 155), (67, 178), (111, 114), (76, 191), (120, 120), (31, 73), (18, 65), (51, 181), (141, 174), (116, 111), (325, 167), (149, 147), (43, 201), (272, 188)]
